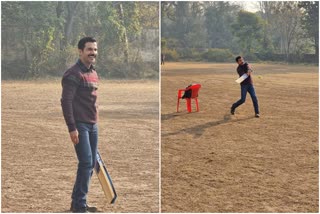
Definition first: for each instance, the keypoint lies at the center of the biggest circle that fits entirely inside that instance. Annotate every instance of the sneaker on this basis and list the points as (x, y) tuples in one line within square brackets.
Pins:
[(232, 111), (257, 115), (88, 208)]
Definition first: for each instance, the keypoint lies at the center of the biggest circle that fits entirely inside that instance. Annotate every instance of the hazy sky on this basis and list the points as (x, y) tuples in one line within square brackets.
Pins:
[(251, 6)]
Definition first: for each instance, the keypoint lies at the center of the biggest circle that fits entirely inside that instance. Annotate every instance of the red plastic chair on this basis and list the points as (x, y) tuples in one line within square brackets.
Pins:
[(194, 95)]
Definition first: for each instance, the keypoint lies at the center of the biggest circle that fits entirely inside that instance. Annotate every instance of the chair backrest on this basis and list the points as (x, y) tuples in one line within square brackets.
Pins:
[(195, 90)]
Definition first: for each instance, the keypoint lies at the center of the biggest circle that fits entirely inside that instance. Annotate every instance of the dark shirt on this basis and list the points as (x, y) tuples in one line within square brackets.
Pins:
[(79, 95), (242, 69)]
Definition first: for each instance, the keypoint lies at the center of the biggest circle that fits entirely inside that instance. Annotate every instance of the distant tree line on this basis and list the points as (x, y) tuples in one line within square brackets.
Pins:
[(219, 30), (40, 39)]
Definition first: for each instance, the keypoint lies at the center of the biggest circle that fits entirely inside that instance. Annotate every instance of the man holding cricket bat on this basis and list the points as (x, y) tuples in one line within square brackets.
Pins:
[(246, 86), (79, 95)]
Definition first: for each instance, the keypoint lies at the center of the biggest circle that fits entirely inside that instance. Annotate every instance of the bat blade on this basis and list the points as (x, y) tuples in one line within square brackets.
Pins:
[(240, 79), (105, 180)]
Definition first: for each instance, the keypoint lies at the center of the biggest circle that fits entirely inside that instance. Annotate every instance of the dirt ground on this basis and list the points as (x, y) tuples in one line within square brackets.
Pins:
[(214, 162), (39, 162)]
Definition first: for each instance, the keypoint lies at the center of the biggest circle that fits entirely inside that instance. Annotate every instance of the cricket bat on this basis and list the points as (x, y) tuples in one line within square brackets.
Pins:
[(105, 180), (240, 79)]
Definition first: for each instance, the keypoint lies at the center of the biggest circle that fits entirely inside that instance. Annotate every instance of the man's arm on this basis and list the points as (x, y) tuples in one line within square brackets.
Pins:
[(249, 70), (69, 88)]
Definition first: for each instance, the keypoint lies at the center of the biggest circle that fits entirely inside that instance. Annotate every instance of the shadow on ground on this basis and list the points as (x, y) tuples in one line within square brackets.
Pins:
[(172, 115), (198, 130)]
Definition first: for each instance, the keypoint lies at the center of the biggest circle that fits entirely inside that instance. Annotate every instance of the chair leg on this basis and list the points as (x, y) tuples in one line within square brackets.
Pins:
[(189, 105), (197, 104), (178, 103)]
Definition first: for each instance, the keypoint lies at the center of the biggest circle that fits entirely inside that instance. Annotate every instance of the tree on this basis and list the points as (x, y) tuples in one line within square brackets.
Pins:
[(310, 21), (40, 38), (124, 38), (266, 10), (35, 24), (71, 9), (218, 19), (184, 22), (149, 14), (247, 28), (288, 17)]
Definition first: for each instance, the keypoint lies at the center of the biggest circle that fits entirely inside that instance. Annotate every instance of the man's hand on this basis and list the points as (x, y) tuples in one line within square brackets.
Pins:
[(74, 135), (250, 69)]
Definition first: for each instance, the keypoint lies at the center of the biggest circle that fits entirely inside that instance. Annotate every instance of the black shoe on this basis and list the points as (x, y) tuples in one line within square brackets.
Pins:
[(88, 208), (81, 210), (91, 209), (232, 111), (257, 115)]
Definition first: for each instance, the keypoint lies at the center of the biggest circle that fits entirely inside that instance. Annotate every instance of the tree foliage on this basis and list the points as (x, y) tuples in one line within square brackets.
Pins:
[(218, 20), (310, 21), (247, 28), (40, 38), (284, 30)]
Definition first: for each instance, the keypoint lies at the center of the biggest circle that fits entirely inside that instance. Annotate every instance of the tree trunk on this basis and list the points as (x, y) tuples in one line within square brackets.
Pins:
[(59, 10), (316, 43), (71, 12), (124, 38), (25, 49)]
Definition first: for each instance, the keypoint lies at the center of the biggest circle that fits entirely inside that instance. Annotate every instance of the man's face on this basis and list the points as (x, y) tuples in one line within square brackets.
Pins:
[(240, 61), (89, 53)]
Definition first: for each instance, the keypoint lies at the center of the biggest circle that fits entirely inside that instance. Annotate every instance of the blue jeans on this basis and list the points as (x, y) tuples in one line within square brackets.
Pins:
[(86, 151), (250, 89)]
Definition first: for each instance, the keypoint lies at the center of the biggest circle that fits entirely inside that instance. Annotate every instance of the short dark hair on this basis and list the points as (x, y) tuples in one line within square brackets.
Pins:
[(83, 41), (237, 58)]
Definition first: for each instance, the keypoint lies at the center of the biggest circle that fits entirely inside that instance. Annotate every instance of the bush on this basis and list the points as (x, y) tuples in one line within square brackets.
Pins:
[(13, 69), (117, 69), (218, 55), (163, 43), (190, 54), (171, 55), (251, 57), (52, 63)]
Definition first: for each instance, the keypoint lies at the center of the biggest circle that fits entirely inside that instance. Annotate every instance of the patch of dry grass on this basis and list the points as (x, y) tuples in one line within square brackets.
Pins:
[(38, 160), (215, 162)]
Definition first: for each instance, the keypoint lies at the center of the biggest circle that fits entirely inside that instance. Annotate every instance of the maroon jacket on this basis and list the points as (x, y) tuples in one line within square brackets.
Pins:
[(79, 95)]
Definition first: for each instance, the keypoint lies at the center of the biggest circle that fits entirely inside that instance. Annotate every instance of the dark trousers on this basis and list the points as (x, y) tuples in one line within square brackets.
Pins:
[(250, 89)]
